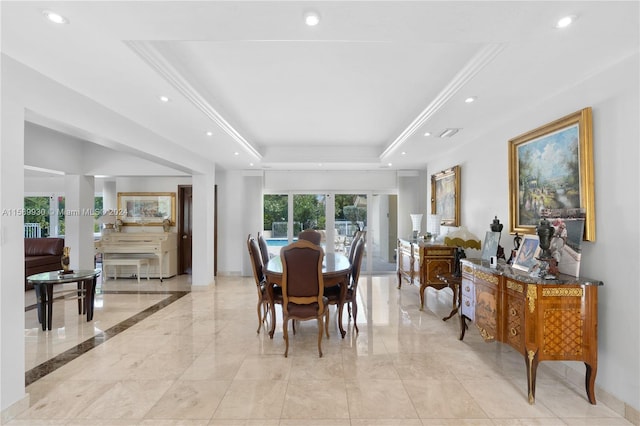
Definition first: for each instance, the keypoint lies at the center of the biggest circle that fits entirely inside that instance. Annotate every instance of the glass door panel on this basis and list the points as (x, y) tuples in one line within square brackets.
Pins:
[(382, 233), (309, 213), (275, 221), (350, 216)]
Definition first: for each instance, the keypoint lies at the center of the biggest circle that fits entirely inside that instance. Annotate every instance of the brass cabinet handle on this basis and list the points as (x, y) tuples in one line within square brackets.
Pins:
[(514, 332), (513, 312), (466, 302), (467, 288)]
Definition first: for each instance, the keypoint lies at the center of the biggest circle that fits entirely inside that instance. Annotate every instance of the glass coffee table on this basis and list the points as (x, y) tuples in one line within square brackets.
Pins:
[(44, 282)]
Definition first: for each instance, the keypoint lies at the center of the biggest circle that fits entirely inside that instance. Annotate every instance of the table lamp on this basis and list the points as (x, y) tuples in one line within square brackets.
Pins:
[(434, 226), (461, 238), (416, 219)]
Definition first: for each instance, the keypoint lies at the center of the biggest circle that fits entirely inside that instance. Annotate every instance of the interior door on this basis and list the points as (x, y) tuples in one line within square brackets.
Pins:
[(185, 202)]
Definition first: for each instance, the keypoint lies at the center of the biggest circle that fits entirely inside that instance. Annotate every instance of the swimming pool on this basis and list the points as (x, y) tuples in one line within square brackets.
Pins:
[(277, 242)]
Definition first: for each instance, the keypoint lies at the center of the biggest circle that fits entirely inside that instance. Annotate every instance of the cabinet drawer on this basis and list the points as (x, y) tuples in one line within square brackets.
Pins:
[(467, 307), (468, 289), (514, 315)]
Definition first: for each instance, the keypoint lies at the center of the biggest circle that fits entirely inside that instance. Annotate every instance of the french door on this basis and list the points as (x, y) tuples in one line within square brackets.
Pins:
[(337, 216)]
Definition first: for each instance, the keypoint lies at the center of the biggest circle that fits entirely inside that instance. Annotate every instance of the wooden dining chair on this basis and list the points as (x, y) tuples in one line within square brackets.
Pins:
[(303, 288), (352, 290), (264, 304), (333, 293), (358, 236), (310, 235), (264, 249)]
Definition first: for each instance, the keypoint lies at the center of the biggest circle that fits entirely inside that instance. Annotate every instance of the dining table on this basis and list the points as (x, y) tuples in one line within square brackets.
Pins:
[(336, 270)]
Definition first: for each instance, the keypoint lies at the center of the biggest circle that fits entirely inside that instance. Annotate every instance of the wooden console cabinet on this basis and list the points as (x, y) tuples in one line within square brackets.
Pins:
[(421, 262), (542, 319)]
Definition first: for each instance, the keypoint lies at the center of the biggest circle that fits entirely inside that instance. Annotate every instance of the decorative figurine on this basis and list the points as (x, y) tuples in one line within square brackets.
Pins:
[(516, 245), (66, 260), (548, 263), (496, 226)]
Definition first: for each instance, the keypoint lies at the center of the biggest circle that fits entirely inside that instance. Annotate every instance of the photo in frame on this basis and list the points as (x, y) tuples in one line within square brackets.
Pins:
[(527, 253), (566, 243), (551, 167), (490, 246), (445, 196), (146, 208)]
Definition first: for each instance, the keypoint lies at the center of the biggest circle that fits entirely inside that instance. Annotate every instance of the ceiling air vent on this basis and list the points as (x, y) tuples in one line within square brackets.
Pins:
[(447, 133)]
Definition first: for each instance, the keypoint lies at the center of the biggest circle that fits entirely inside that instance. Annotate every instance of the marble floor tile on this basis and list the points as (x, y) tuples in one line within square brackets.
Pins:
[(167, 354), (189, 399), (379, 399), (315, 399)]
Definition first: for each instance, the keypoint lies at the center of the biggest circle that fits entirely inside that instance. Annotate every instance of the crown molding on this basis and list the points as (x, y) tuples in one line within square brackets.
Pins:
[(159, 63), (471, 68)]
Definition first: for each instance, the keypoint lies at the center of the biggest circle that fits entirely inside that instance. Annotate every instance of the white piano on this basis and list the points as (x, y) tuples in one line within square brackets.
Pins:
[(161, 247)]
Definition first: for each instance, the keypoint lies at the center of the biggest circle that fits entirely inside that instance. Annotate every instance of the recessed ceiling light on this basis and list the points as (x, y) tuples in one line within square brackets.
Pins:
[(470, 99), (311, 18), (566, 21), (250, 164), (447, 133), (403, 153), (209, 133), (164, 99), (236, 153), (427, 133), (319, 164), (55, 17), (389, 164)]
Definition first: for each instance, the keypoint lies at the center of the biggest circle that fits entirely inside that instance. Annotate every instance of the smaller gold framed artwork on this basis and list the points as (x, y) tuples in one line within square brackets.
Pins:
[(146, 208), (445, 196)]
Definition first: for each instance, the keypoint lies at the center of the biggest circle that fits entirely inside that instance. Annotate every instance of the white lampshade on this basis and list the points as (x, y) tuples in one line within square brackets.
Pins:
[(434, 224), (416, 221)]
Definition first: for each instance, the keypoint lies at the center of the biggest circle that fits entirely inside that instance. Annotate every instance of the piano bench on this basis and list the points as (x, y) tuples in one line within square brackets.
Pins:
[(124, 261)]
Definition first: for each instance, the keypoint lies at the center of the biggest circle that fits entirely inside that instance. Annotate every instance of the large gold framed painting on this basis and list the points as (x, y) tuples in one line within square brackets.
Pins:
[(551, 174)]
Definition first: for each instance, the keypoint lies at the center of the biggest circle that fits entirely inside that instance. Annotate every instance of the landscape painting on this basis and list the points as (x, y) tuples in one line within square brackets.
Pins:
[(551, 168)]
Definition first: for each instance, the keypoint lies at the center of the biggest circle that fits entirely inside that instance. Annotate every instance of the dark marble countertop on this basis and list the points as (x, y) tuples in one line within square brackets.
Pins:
[(509, 272)]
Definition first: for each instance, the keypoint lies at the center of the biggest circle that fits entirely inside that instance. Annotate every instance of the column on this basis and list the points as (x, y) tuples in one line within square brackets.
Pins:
[(203, 229), (79, 220), (12, 392)]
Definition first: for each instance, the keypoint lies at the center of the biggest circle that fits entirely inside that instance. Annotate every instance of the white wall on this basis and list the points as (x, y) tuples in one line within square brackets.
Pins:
[(614, 256)]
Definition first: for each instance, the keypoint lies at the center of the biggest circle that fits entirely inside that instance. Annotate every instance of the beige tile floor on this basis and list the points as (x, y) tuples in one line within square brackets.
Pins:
[(199, 361)]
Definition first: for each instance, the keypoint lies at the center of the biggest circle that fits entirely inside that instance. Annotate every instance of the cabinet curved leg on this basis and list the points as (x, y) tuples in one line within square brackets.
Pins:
[(590, 381), (399, 278), (463, 326), (422, 289), (532, 366)]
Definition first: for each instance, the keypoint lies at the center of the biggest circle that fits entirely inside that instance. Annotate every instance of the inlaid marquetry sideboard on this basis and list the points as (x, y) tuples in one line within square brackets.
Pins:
[(420, 263), (542, 319)]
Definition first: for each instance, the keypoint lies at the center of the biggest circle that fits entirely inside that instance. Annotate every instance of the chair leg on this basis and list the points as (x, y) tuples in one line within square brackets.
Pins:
[(326, 323), (320, 335), (260, 316), (272, 308), (285, 334), (355, 316), (349, 309)]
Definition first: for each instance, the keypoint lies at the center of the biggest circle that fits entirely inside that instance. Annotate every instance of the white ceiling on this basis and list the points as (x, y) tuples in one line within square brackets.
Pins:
[(356, 91)]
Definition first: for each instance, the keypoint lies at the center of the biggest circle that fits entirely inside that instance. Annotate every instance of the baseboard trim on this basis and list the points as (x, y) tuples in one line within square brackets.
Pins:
[(565, 371), (12, 411)]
